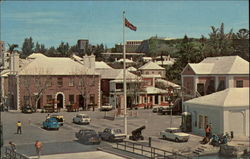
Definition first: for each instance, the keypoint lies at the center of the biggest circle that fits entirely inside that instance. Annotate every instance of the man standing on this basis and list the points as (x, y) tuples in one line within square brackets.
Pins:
[(38, 146), (19, 127), (12, 146)]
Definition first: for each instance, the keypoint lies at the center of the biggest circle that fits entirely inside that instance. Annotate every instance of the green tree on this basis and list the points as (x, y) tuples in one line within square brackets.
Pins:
[(37, 47), (63, 49), (241, 43), (28, 46), (219, 42), (12, 47)]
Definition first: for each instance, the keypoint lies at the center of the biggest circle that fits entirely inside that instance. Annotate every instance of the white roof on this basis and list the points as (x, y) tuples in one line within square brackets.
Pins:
[(221, 65), (165, 62), (168, 83), (101, 65), (154, 90), (126, 60), (54, 66), (231, 97), (115, 74), (35, 55), (151, 76), (131, 69), (147, 58), (151, 66)]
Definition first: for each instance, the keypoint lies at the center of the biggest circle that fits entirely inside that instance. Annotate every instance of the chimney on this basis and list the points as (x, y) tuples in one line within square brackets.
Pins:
[(14, 63)]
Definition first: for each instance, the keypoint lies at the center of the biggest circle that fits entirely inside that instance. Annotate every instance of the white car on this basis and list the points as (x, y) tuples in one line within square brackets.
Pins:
[(174, 134), (81, 119)]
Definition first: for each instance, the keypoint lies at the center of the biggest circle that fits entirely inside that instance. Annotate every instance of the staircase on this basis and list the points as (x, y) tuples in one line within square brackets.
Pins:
[(205, 150)]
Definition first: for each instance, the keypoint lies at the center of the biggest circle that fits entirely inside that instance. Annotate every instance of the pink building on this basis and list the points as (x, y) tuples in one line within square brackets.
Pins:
[(63, 80), (214, 74)]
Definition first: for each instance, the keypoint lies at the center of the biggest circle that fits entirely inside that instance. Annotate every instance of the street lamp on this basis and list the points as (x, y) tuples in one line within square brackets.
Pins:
[(171, 107)]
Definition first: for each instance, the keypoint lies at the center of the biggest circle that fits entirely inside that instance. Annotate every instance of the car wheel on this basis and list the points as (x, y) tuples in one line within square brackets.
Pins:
[(164, 137), (177, 140)]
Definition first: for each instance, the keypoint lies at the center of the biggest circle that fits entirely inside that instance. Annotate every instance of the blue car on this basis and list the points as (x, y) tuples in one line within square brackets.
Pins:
[(51, 123)]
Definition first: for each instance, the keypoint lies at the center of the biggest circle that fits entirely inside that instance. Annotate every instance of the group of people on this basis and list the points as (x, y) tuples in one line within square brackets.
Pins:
[(38, 146)]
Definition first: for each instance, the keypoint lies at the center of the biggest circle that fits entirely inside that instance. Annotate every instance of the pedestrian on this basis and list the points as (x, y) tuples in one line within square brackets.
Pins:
[(208, 131), (48, 116), (12, 146), (38, 146), (19, 127)]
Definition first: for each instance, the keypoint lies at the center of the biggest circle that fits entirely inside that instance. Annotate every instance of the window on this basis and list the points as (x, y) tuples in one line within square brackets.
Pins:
[(205, 121), (221, 86), (71, 82), (146, 72), (153, 72), (239, 83), (71, 99), (201, 122), (26, 100), (119, 85), (92, 99), (200, 88), (49, 99), (49, 82), (60, 81)]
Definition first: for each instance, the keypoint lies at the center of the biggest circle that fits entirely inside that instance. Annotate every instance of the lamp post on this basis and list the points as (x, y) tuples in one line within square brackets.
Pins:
[(171, 107)]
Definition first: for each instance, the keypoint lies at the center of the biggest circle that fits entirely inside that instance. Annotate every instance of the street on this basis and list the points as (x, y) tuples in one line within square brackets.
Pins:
[(64, 141)]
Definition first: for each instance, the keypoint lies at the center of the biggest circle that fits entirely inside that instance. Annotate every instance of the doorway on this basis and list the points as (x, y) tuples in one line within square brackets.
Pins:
[(81, 102), (59, 100)]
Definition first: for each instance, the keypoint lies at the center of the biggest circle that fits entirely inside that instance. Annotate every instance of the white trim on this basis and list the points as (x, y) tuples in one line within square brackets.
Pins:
[(63, 99)]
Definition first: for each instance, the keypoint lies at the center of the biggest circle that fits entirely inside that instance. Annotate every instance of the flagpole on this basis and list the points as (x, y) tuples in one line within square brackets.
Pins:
[(124, 77)]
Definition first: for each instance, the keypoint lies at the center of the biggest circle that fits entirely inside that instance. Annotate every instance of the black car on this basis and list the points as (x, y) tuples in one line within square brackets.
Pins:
[(28, 109), (88, 136)]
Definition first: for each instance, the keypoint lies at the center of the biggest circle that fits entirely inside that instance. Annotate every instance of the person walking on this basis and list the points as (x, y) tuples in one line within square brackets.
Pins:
[(48, 116), (19, 127), (208, 131), (38, 146), (12, 146)]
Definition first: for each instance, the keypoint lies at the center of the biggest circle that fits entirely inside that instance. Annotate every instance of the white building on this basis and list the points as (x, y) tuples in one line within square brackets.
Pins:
[(227, 110)]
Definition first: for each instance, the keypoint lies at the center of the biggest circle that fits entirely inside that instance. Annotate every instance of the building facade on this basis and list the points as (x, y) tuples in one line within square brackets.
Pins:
[(214, 74), (47, 79)]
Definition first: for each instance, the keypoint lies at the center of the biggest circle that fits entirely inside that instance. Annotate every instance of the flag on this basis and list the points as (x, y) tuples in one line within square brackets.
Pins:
[(129, 25)]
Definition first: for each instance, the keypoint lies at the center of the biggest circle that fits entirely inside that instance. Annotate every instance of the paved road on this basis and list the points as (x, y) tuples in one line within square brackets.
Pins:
[(63, 141)]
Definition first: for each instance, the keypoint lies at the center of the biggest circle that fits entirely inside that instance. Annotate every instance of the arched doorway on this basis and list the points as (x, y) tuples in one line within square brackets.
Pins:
[(59, 100)]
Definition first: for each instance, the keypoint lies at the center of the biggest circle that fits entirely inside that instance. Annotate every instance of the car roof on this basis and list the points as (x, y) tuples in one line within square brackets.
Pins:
[(172, 129), (52, 119), (82, 114)]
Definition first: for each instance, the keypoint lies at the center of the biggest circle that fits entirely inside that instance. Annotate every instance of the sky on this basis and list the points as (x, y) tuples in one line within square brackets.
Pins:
[(53, 22)]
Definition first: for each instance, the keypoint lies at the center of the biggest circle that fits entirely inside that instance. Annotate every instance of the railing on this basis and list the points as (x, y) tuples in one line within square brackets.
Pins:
[(10, 154), (148, 151)]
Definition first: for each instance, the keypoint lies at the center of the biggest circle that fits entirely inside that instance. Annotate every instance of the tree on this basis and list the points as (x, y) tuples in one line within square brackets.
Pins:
[(219, 42), (37, 47), (63, 49), (12, 47), (28, 46), (241, 43)]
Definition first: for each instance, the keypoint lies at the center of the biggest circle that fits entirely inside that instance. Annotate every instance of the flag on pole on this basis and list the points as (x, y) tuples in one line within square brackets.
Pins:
[(129, 25)]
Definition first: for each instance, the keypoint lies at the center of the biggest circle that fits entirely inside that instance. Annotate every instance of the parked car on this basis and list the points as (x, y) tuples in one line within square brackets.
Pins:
[(164, 110), (106, 107), (27, 109), (81, 119), (51, 123), (88, 136), (174, 134), (112, 134), (59, 118), (156, 109)]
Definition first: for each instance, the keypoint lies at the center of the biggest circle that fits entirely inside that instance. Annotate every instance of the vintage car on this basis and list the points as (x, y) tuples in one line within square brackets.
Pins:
[(174, 134), (81, 119), (88, 136), (51, 123), (59, 118), (106, 107), (156, 109), (27, 109), (112, 134)]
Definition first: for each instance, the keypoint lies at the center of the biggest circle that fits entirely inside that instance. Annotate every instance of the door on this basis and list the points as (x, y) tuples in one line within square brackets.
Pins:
[(81, 102), (59, 101), (236, 123)]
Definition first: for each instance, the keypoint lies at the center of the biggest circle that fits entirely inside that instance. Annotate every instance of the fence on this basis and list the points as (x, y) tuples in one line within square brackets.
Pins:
[(10, 154), (148, 151)]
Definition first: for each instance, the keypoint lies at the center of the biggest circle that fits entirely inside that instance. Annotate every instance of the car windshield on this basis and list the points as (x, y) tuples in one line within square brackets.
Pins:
[(117, 131), (90, 132), (173, 130)]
